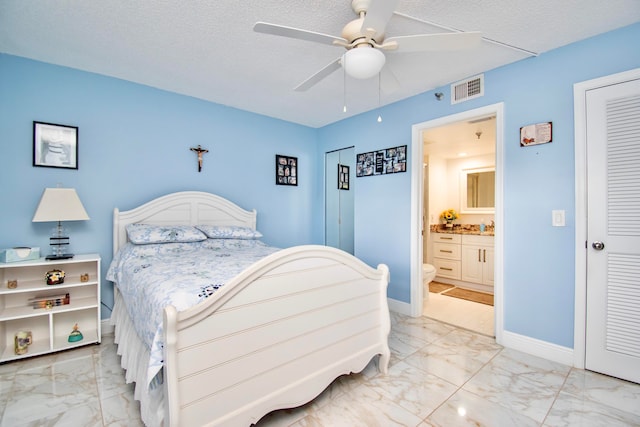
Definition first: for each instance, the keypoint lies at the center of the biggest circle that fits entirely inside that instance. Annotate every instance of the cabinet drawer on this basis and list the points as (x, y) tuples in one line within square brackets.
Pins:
[(447, 268), (446, 250), (472, 239), (446, 238)]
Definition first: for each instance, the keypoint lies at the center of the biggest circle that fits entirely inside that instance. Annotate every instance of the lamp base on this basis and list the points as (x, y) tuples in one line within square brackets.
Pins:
[(58, 257)]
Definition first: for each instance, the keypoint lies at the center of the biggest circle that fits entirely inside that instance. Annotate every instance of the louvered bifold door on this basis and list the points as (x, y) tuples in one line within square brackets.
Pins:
[(613, 246)]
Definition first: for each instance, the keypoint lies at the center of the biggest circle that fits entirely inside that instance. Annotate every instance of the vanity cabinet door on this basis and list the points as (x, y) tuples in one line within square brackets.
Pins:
[(472, 263), (477, 264), (477, 259), (487, 266)]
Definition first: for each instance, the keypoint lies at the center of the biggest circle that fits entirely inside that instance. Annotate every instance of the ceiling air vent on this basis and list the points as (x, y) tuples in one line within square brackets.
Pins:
[(467, 89)]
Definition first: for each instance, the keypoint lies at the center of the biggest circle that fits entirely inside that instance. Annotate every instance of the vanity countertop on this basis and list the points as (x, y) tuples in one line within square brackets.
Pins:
[(473, 229)]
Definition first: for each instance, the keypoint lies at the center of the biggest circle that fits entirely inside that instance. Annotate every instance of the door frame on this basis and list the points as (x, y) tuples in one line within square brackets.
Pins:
[(580, 128), (417, 207)]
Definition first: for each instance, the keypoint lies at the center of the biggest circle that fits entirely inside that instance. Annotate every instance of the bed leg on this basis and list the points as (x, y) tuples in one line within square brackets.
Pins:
[(383, 362)]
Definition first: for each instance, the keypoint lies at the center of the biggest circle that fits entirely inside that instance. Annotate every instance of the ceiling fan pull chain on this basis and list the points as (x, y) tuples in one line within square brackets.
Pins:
[(379, 114)]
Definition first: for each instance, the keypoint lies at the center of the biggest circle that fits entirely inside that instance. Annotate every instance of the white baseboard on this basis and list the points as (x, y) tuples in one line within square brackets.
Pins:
[(533, 346), (399, 306), (106, 327), (536, 347)]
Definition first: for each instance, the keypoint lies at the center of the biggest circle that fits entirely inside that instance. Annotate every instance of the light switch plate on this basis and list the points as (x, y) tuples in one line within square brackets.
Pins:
[(557, 218)]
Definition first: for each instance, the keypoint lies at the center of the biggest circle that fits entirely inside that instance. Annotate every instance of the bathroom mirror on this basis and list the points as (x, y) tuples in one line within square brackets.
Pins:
[(477, 190)]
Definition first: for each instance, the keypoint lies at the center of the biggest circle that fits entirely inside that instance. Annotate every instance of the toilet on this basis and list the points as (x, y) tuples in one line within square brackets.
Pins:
[(428, 274)]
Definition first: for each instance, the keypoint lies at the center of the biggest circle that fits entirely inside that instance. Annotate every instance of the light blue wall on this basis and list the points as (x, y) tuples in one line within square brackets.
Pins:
[(134, 145), (539, 259)]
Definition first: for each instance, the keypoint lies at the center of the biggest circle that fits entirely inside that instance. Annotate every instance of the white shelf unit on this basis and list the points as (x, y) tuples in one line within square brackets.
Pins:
[(50, 328)]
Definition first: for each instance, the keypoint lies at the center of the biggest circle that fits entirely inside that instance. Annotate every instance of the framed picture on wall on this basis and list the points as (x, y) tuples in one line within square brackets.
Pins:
[(286, 170), (55, 146), (540, 133), (343, 177), (381, 162)]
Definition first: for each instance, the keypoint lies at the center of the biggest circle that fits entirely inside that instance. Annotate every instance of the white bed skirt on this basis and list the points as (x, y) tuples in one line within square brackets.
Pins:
[(135, 360)]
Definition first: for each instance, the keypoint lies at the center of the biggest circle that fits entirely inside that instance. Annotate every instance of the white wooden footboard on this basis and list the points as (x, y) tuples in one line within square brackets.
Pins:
[(274, 337)]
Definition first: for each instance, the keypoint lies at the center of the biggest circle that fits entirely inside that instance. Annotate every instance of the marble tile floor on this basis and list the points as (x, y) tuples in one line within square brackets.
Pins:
[(470, 315), (439, 375)]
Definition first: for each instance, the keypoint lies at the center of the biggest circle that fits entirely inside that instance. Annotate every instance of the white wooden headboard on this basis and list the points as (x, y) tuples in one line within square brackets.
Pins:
[(182, 208)]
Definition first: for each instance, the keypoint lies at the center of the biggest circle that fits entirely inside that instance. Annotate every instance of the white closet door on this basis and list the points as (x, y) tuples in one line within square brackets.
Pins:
[(339, 203), (613, 252)]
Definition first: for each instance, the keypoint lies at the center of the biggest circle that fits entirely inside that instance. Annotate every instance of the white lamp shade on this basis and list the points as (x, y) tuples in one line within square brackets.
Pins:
[(363, 62), (60, 204)]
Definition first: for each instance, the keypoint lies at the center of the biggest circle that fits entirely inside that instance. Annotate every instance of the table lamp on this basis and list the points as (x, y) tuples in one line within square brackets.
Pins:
[(60, 204)]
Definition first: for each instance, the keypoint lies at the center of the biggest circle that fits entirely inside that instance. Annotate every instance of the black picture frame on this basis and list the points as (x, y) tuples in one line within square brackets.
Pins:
[(55, 146), (382, 162), (343, 177), (286, 170)]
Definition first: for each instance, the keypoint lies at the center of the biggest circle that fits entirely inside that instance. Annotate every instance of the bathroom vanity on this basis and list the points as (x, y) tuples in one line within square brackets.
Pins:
[(464, 258)]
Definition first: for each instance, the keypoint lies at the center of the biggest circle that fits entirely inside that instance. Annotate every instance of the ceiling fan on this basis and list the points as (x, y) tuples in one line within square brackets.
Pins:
[(364, 41)]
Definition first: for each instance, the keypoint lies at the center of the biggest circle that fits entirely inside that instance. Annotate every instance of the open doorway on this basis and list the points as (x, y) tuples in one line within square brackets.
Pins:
[(424, 217), (459, 176)]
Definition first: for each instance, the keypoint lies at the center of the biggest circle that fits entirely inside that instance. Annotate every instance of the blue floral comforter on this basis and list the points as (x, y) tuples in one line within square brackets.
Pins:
[(153, 276)]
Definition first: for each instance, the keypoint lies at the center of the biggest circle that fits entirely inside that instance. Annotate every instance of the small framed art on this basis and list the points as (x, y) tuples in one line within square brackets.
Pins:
[(55, 146), (286, 170), (343, 177), (539, 133)]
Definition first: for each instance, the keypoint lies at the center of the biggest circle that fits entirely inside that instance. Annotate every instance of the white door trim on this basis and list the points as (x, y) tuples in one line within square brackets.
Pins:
[(417, 207), (580, 126)]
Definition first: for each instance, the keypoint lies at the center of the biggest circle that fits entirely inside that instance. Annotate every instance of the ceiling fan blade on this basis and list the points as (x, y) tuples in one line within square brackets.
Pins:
[(317, 77), (435, 42), (296, 33), (388, 81), (378, 15)]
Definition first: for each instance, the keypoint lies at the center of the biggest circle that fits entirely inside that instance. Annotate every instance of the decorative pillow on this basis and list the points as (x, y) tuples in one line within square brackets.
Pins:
[(143, 234), (231, 244), (229, 232), (157, 249)]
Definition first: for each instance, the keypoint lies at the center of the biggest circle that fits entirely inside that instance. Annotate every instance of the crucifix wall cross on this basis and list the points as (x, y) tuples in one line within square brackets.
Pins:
[(200, 152)]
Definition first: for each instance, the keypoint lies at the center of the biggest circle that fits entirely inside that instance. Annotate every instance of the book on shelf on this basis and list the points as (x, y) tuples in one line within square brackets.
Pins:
[(50, 301)]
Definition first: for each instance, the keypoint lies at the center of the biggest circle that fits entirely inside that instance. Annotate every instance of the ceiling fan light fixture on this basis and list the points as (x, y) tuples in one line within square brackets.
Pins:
[(363, 63)]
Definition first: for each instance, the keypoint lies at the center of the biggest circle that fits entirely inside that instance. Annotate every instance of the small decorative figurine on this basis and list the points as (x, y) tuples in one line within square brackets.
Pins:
[(75, 335), (200, 152), (54, 277), (23, 339), (12, 284), (84, 277)]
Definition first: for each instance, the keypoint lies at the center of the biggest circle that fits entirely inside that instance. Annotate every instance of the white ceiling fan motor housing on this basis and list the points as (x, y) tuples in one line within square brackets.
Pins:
[(359, 6)]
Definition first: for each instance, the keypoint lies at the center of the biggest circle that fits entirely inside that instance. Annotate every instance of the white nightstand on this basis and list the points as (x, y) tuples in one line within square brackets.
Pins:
[(49, 327)]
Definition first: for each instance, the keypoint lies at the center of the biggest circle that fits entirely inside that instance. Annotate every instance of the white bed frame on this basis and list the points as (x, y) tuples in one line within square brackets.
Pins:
[(273, 337)]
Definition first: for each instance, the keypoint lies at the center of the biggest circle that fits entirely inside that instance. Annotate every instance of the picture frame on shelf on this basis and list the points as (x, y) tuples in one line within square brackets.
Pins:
[(286, 170), (55, 146)]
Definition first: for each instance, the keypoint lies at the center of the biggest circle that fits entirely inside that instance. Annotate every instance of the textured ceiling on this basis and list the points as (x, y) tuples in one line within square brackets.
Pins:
[(208, 49)]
